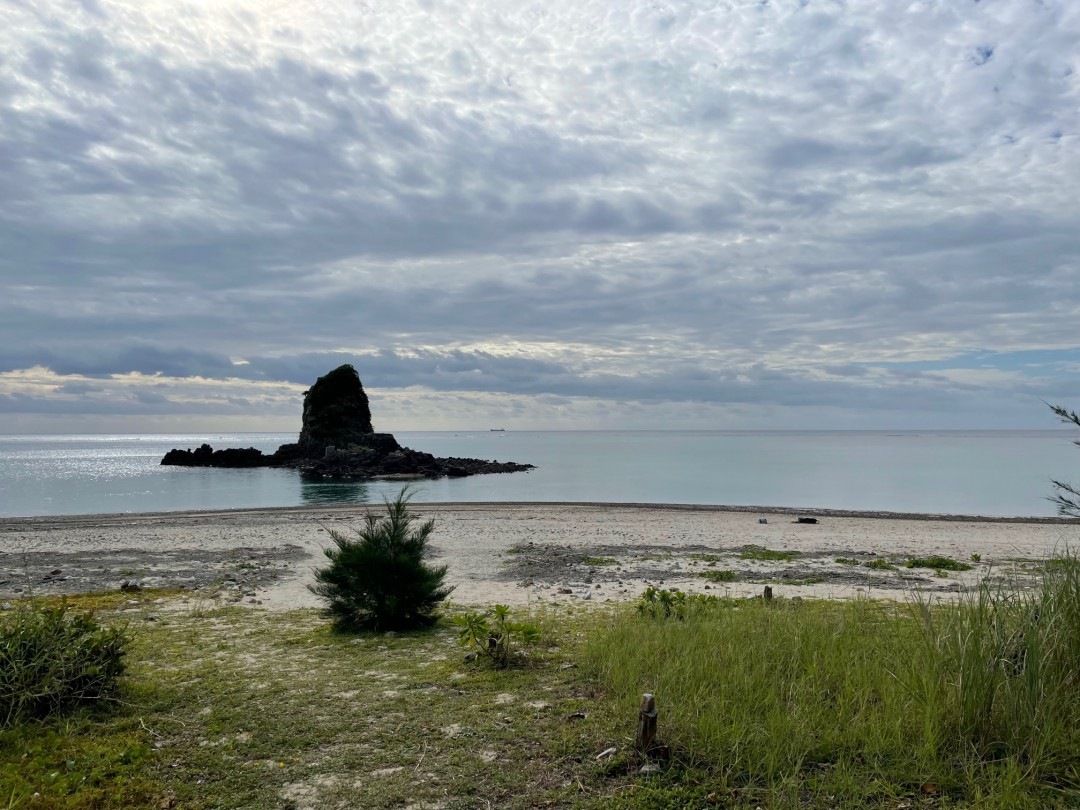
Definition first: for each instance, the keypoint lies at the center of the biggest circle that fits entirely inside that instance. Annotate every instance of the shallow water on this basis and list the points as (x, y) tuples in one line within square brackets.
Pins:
[(985, 472)]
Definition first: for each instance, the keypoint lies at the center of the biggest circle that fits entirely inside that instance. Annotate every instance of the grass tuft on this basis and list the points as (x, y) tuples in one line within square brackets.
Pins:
[(767, 555), (719, 576)]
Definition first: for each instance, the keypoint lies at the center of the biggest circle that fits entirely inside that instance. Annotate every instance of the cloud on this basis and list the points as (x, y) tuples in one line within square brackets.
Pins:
[(738, 204)]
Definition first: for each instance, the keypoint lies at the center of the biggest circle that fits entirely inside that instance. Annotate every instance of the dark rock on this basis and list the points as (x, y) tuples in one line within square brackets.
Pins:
[(336, 412), (337, 442), (206, 456), (806, 520)]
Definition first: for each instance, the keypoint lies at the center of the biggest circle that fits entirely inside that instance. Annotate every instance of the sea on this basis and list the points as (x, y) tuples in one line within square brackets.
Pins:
[(998, 473)]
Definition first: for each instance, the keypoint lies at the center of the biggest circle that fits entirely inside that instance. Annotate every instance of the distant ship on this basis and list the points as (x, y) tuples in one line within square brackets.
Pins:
[(497, 430)]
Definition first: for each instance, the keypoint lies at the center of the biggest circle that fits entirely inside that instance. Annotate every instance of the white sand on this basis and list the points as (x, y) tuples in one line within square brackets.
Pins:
[(475, 541)]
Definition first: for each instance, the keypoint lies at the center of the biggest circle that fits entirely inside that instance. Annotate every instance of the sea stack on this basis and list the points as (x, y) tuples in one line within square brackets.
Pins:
[(336, 412), (337, 440)]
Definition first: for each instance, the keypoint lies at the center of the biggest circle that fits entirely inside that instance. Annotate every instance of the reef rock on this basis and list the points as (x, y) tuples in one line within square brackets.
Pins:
[(337, 441)]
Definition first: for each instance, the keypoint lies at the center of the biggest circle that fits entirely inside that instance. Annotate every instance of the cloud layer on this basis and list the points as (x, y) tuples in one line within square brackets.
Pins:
[(787, 214)]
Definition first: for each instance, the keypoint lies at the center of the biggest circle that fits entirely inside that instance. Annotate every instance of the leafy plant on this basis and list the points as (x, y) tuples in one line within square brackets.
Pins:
[(493, 635), (975, 558), (52, 659), (378, 580), (846, 561), (662, 604)]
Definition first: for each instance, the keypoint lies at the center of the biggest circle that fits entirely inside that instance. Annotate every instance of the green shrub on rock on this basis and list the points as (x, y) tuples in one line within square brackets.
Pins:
[(378, 580), (53, 659)]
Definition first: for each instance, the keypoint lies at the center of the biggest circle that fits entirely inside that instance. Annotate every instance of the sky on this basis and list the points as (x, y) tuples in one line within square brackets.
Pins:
[(781, 214)]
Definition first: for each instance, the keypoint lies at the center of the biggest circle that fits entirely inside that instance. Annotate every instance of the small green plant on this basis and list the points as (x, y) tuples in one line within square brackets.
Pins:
[(765, 554), (719, 576), (709, 558), (937, 563), (976, 558), (846, 561), (664, 604), (597, 561), (52, 659), (378, 580), (880, 565), (493, 635)]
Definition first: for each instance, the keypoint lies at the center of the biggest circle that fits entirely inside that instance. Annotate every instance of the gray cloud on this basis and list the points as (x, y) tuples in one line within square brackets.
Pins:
[(701, 203)]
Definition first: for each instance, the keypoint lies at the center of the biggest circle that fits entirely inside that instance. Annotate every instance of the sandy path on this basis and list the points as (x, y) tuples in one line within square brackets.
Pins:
[(517, 553)]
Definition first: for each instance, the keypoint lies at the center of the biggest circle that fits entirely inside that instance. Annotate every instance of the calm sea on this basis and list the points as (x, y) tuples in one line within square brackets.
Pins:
[(983, 473)]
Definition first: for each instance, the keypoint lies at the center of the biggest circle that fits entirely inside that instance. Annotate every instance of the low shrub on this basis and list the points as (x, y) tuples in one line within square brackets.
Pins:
[(378, 580), (492, 635), (53, 659)]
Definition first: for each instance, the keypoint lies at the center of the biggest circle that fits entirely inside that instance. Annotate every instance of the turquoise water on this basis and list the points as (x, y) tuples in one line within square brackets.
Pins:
[(986, 472)]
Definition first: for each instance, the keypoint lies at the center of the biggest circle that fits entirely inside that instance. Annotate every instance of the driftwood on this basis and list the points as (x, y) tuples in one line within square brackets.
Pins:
[(646, 730)]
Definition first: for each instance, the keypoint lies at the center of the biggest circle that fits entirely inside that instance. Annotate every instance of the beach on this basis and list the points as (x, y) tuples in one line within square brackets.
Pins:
[(525, 553)]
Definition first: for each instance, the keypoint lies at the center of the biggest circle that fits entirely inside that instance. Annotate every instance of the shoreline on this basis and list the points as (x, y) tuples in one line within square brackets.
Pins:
[(10, 522), (532, 553)]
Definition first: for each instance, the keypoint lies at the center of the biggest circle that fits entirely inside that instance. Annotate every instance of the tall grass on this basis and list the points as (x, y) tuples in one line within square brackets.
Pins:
[(977, 701)]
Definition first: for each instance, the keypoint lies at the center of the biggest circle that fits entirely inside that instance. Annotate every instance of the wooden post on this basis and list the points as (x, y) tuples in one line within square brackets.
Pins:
[(768, 592), (646, 730)]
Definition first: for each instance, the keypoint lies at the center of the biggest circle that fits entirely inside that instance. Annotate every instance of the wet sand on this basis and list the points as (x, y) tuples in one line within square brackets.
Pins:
[(519, 553)]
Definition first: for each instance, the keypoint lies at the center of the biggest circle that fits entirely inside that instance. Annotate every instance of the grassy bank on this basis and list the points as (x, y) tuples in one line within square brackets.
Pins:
[(784, 703)]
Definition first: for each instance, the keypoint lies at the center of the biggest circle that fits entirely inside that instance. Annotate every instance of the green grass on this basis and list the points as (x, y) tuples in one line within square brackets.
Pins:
[(233, 708), (846, 561), (880, 565), (787, 703), (860, 704), (598, 561), (937, 563), (719, 575), (767, 555)]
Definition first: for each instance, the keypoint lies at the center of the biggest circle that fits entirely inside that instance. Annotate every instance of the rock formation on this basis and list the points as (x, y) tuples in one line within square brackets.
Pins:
[(336, 412), (337, 441)]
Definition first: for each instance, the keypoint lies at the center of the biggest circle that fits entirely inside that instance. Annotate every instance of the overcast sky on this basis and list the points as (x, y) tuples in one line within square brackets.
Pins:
[(623, 214)]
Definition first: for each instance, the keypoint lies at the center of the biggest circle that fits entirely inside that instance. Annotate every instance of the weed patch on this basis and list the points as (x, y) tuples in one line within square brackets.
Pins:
[(767, 555), (937, 563), (719, 576), (881, 565)]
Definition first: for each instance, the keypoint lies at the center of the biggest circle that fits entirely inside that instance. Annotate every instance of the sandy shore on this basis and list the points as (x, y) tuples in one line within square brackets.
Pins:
[(528, 552)]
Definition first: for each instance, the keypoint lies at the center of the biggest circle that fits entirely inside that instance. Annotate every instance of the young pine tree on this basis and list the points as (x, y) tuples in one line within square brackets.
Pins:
[(378, 580)]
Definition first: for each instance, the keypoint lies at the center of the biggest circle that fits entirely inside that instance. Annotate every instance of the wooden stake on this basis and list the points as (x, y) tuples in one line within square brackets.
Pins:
[(768, 592), (646, 730)]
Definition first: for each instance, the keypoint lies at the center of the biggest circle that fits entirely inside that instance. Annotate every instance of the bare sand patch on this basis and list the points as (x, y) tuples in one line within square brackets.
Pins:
[(526, 553)]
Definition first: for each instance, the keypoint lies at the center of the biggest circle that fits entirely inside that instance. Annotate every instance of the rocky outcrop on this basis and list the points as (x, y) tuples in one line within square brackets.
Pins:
[(336, 412), (206, 456), (337, 441)]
